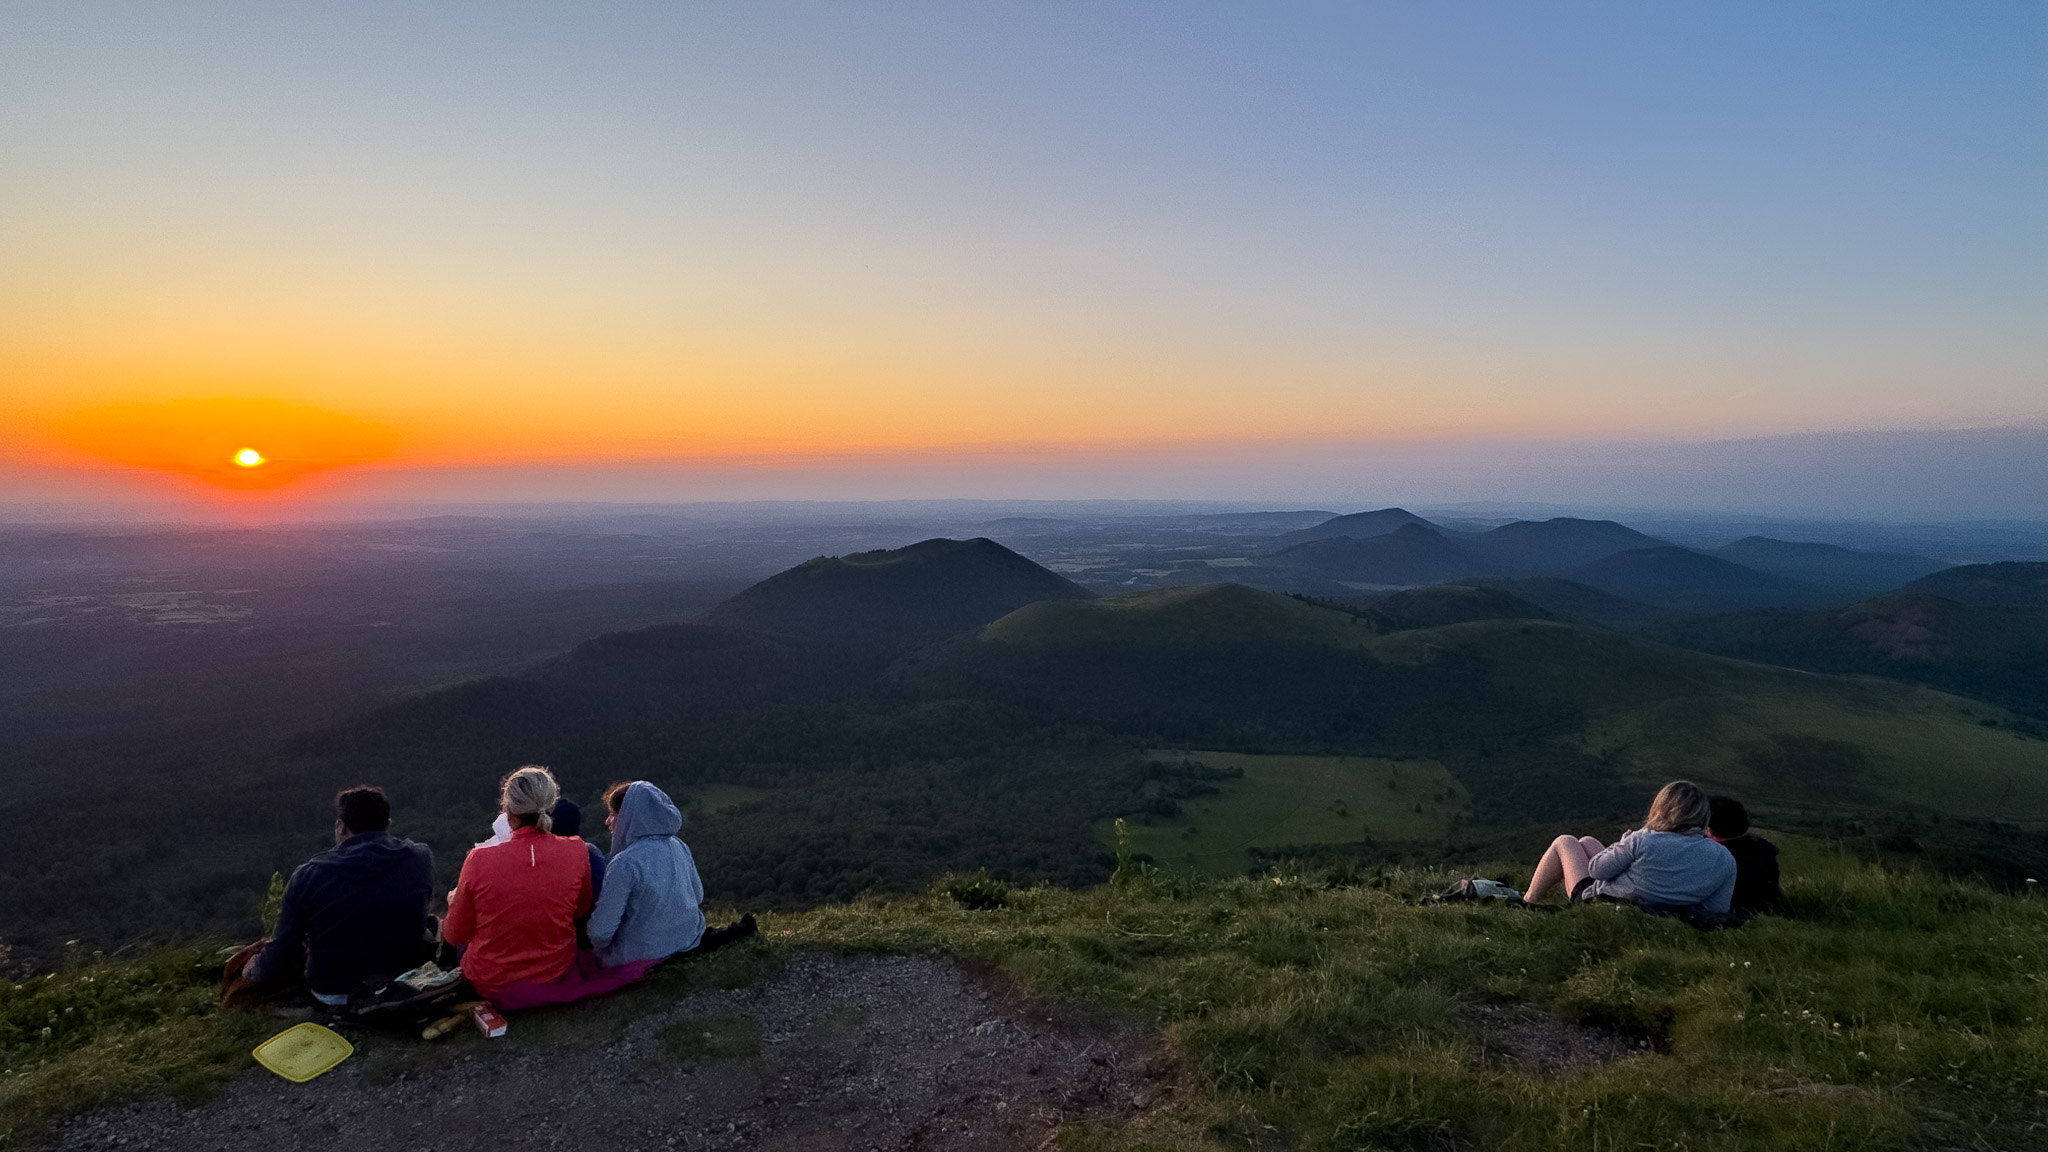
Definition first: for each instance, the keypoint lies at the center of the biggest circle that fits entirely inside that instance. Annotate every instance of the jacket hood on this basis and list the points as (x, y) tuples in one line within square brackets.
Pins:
[(370, 854), (645, 813)]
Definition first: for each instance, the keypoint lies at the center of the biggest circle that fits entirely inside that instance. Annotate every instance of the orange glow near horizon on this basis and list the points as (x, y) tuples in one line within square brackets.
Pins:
[(210, 440)]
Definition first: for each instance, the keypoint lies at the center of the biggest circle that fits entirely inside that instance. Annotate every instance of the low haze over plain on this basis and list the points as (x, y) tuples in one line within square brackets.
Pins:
[(640, 251)]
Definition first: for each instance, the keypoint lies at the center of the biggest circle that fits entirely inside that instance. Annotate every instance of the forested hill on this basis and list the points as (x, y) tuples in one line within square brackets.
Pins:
[(2010, 584), (895, 597)]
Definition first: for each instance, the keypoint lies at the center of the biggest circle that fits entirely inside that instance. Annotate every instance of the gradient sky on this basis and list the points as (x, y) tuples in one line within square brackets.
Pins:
[(420, 238)]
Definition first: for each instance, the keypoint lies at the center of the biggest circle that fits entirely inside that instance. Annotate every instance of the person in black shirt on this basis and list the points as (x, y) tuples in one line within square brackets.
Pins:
[(1756, 859), (356, 914)]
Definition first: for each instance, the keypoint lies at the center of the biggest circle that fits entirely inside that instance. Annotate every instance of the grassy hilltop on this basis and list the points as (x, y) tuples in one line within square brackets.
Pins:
[(1328, 1010)]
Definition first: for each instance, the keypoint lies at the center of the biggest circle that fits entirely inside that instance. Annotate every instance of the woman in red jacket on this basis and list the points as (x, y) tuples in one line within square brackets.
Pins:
[(517, 904)]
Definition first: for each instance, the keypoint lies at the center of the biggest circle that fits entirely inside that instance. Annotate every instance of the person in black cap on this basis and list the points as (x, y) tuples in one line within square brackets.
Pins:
[(568, 821), (1756, 859)]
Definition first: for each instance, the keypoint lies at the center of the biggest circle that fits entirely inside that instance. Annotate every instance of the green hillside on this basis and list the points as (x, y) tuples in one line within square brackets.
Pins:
[(1645, 710), (1778, 736), (1203, 615), (1996, 651), (1442, 604)]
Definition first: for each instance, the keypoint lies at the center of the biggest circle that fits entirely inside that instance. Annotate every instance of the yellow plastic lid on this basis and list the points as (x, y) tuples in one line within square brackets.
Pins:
[(303, 1051)]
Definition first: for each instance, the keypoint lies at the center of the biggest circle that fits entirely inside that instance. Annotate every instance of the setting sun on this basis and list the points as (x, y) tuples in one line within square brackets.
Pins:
[(211, 440)]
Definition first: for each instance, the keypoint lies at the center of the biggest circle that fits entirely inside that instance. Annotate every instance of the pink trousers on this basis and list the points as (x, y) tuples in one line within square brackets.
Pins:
[(581, 982)]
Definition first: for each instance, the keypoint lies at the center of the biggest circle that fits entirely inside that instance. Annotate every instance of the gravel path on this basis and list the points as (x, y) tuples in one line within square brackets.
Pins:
[(828, 1053)]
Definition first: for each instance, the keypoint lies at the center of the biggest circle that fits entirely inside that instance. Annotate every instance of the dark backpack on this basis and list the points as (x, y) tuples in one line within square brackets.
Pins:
[(410, 1002)]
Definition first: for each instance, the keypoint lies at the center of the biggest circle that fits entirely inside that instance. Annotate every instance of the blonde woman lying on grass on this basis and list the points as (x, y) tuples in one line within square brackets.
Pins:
[(1670, 863)]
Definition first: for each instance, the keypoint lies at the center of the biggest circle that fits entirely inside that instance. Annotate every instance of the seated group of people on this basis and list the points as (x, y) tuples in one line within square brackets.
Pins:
[(538, 916), (1693, 855)]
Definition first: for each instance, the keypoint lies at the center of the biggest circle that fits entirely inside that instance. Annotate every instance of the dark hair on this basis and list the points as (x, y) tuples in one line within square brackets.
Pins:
[(615, 796), (363, 809), (567, 816), (1729, 819)]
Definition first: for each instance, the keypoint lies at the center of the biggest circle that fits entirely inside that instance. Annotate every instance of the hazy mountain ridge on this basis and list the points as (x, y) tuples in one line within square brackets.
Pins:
[(1411, 554), (1828, 565), (1405, 550), (1542, 547), (1681, 579), (1357, 526)]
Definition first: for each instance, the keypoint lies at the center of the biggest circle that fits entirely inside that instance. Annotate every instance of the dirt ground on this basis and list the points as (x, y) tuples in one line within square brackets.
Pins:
[(826, 1052)]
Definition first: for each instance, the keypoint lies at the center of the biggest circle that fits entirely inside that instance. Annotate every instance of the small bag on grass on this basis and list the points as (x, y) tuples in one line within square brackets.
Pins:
[(410, 1002), (1476, 888)]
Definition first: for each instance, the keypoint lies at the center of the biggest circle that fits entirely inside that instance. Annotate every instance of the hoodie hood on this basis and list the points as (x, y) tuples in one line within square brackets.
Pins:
[(645, 813)]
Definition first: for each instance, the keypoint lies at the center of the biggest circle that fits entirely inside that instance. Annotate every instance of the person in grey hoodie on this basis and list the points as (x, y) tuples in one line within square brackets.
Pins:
[(1669, 864), (649, 909)]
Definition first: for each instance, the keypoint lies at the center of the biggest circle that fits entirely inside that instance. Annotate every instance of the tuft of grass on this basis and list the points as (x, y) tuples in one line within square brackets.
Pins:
[(93, 1033), (976, 891), (273, 904)]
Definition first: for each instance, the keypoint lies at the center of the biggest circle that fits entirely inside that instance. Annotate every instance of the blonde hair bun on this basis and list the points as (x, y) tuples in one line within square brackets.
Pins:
[(531, 791)]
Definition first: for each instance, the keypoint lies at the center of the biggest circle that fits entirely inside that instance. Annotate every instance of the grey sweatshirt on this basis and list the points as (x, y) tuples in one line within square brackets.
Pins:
[(1665, 869), (649, 906)]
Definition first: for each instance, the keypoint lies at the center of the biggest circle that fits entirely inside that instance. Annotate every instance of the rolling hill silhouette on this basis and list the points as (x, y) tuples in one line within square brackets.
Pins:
[(1410, 554), (1828, 566), (1358, 526), (1679, 578), (1549, 547), (894, 597), (1994, 649), (2011, 584)]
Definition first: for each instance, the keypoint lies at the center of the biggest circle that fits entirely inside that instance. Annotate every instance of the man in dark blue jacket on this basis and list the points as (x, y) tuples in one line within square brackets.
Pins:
[(356, 914)]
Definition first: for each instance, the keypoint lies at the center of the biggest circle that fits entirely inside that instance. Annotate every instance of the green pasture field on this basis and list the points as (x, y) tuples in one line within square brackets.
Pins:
[(1283, 801)]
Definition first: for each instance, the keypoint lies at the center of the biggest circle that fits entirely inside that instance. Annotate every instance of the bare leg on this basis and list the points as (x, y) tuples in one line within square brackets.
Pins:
[(1563, 863)]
